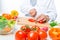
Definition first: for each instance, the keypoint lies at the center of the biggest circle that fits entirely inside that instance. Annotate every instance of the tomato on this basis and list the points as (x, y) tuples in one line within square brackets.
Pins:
[(23, 28), (26, 28), (35, 28), (31, 20), (42, 35), (7, 16), (20, 35), (32, 35), (14, 13), (41, 21), (55, 33), (14, 18)]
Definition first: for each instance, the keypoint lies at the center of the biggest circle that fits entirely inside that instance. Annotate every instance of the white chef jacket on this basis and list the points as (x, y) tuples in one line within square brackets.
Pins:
[(46, 7)]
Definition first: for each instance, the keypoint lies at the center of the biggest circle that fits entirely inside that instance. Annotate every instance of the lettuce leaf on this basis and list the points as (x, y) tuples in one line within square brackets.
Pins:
[(3, 22)]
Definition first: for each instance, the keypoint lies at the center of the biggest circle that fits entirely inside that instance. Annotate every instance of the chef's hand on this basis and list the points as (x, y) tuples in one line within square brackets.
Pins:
[(33, 12), (43, 18)]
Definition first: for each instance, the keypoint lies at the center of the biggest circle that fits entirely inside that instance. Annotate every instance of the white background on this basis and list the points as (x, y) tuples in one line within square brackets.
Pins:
[(8, 8), (8, 5), (57, 4)]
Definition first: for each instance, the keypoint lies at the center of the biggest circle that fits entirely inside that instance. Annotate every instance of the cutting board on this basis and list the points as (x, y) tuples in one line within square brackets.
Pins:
[(24, 21)]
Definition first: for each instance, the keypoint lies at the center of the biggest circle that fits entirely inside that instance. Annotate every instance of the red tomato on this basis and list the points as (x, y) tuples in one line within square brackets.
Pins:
[(31, 20), (32, 35), (42, 35), (23, 28), (26, 29), (15, 17), (20, 35), (35, 28), (41, 21)]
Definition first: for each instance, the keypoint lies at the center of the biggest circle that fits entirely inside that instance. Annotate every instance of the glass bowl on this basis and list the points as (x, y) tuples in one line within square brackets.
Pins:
[(6, 26)]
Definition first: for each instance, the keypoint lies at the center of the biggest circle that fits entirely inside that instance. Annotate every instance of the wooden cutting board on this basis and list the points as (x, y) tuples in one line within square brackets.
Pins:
[(24, 21)]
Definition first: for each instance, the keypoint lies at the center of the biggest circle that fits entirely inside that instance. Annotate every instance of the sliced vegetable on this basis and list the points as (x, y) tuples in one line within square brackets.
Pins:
[(31, 20)]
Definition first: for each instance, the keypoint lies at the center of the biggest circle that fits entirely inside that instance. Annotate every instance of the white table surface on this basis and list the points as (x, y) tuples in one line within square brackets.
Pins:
[(7, 37)]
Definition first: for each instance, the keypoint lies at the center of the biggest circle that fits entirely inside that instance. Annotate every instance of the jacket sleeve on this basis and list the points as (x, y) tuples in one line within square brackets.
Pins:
[(51, 11)]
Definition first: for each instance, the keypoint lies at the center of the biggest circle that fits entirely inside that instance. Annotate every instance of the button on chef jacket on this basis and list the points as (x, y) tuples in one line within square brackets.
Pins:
[(46, 7)]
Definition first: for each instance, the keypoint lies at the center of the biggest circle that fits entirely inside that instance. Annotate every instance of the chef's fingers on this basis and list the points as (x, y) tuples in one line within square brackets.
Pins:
[(44, 19), (40, 19)]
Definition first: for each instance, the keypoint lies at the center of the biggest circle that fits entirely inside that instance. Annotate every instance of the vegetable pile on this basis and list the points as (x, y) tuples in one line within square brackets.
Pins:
[(7, 21), (36, 33), (30, 33)]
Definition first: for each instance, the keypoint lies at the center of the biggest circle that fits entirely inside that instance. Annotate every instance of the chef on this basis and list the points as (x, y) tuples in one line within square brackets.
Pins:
[(39, 9)]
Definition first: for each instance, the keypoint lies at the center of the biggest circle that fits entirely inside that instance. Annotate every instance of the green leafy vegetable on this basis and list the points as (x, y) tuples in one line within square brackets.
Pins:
[(53, 23), (11, 23), (3, 22)]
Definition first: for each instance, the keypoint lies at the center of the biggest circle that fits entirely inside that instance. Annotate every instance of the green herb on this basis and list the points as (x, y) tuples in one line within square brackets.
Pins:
[(53, 23)]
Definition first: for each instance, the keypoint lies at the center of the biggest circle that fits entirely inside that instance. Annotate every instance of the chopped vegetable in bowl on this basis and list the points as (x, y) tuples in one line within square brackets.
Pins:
[(6, 25)]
